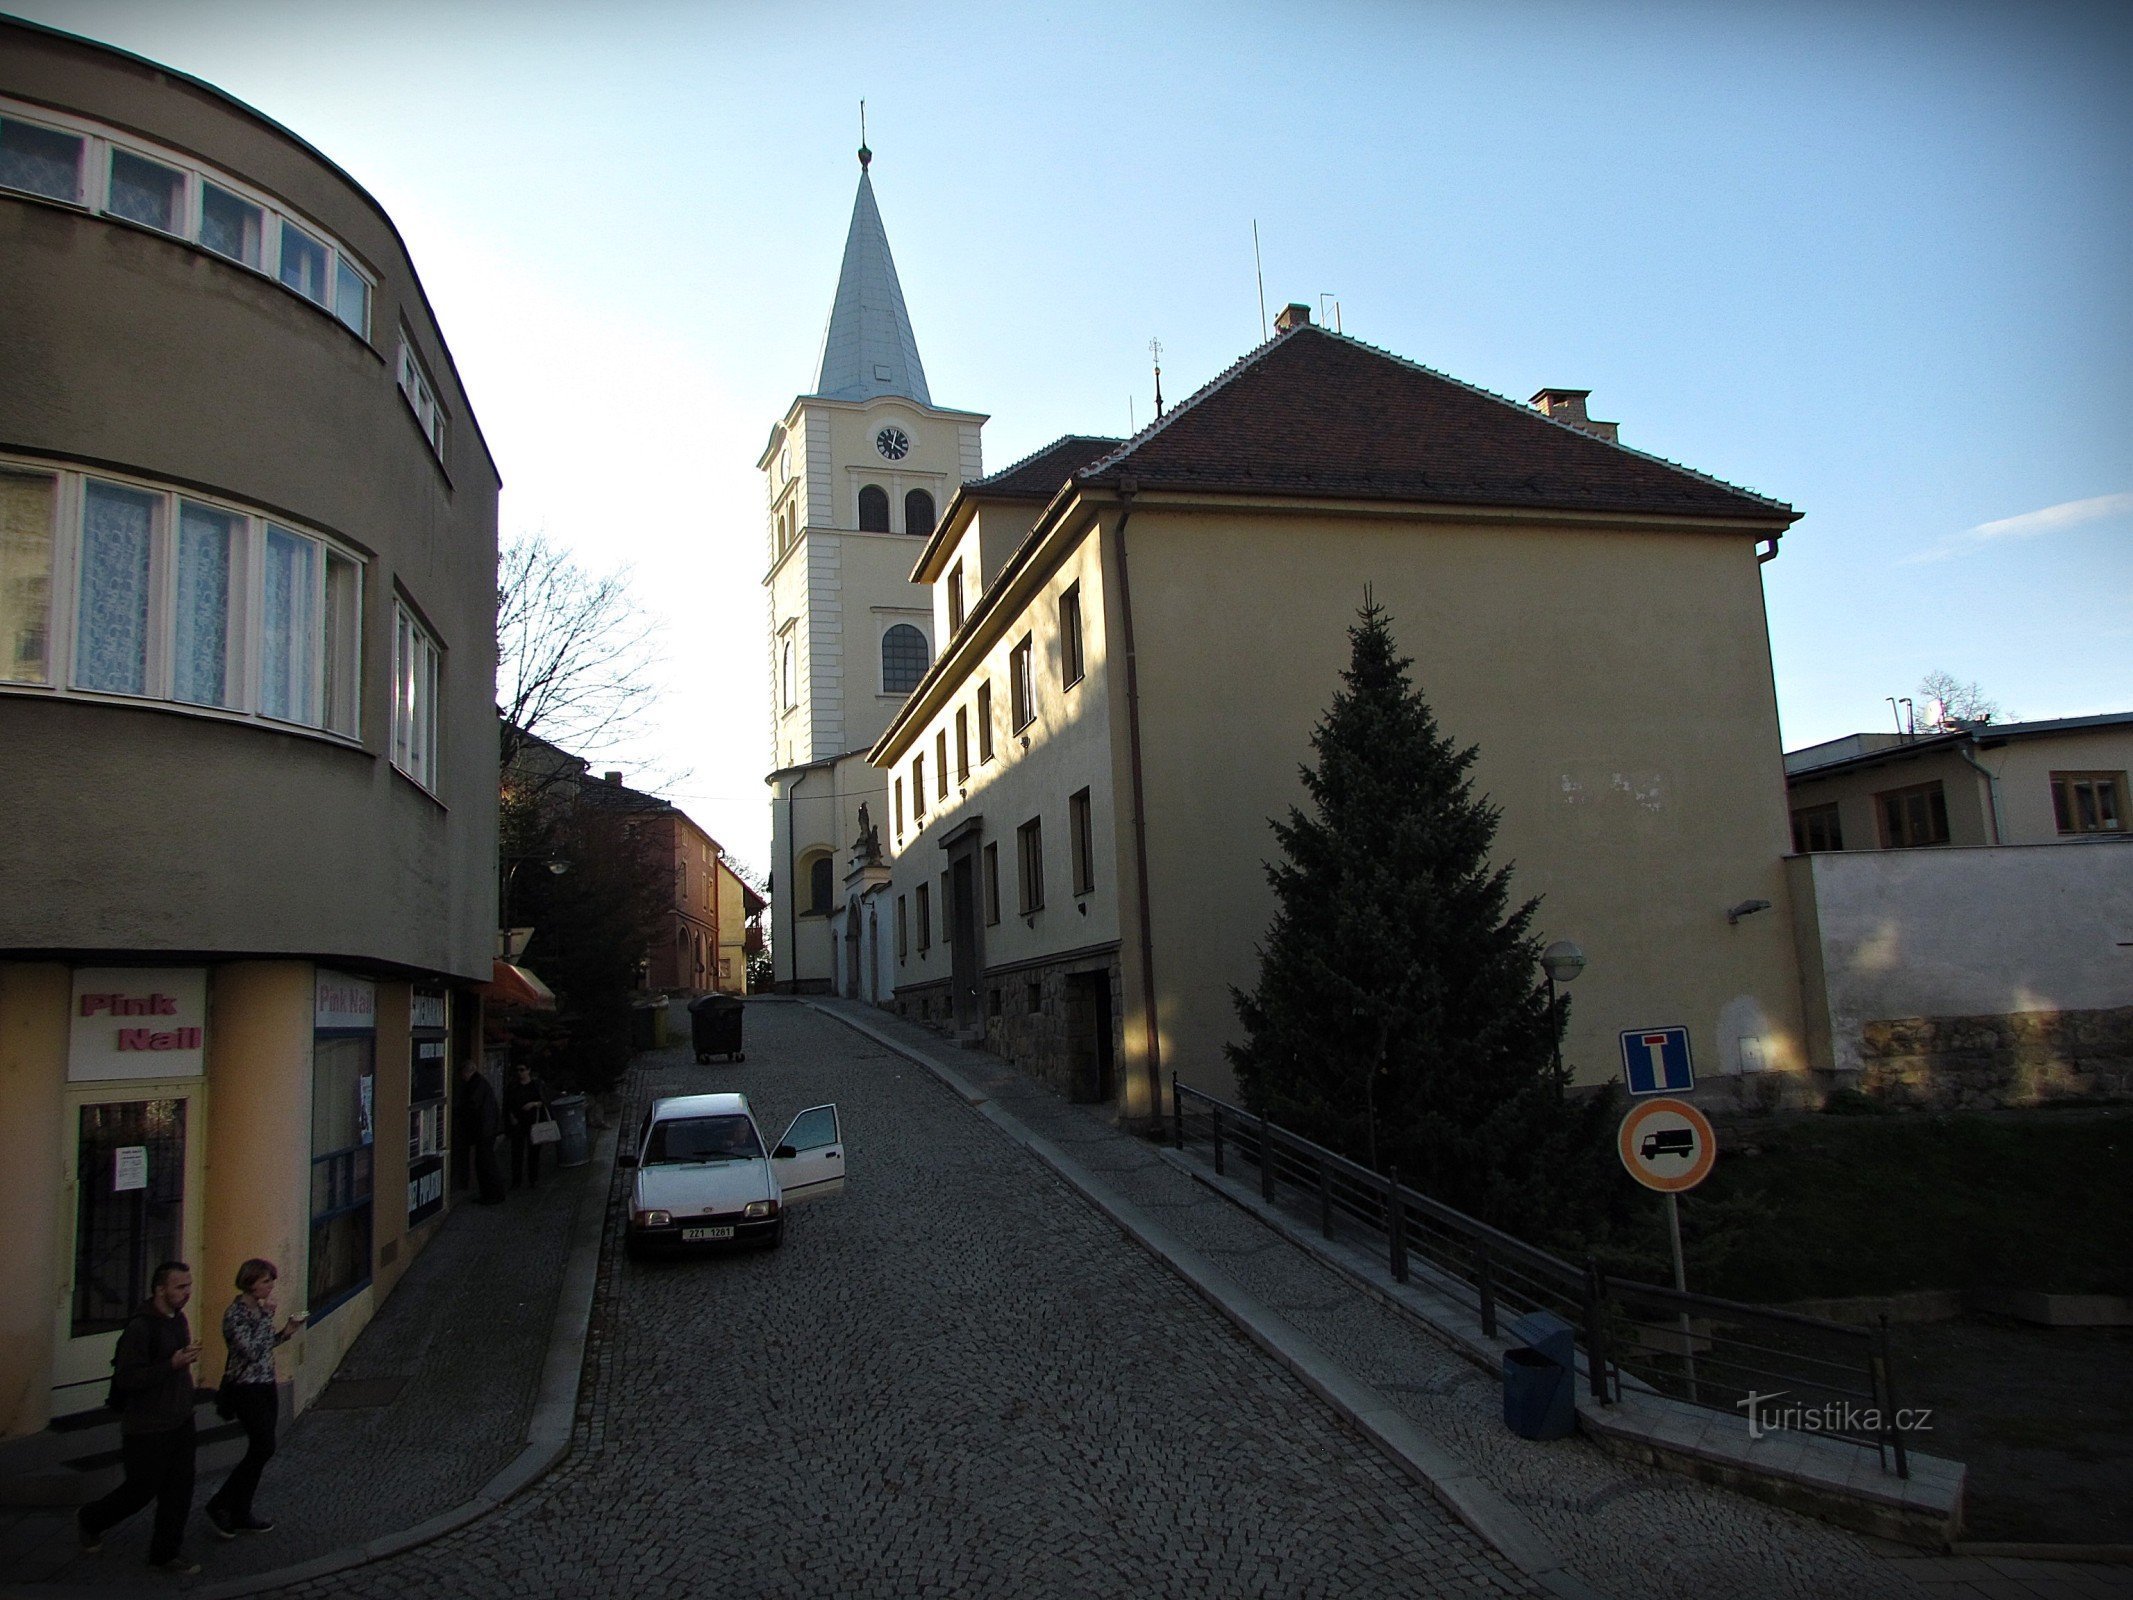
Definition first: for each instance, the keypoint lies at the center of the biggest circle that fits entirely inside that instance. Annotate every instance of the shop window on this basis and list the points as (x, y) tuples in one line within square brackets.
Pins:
[(343, 1164)]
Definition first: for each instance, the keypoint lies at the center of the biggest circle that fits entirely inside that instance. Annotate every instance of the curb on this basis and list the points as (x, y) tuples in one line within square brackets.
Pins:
[(1454, 1484)]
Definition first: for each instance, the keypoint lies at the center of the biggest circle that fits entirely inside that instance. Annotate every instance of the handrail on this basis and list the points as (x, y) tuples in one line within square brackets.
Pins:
[(1499, 1268)]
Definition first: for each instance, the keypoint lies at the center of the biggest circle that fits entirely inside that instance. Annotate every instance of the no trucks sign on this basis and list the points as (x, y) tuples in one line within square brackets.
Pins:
[(1667, 1145)]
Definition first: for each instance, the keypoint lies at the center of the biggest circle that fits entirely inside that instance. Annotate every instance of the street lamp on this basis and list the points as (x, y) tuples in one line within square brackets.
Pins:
[(1562, 961), (555, 868)]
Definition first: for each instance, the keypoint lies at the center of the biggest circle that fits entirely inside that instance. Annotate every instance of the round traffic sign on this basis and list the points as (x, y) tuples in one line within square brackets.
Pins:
[(1667, 1145)]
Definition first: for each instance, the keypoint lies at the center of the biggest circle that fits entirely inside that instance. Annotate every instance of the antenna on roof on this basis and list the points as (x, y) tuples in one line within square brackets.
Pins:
[(1323, 296), (1155, 349), (1132, 427), (1259, 271), (866, 156)]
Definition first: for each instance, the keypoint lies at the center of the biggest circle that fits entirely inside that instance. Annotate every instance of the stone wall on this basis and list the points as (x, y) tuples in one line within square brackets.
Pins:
[(1028, 1018), (2024, 1058)]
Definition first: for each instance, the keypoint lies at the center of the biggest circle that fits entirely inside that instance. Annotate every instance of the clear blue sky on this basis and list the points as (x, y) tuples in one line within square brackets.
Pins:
[(1873, 259)]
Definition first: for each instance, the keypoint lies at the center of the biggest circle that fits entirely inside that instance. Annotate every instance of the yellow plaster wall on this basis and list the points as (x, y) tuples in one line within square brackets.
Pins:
[(1618, 684), (34, 1001)]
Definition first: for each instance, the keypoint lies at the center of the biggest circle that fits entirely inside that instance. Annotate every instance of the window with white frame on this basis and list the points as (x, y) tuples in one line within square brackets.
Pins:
[(421, 397), (83, 163), (1021, 685), (174, 596), (417, 676)]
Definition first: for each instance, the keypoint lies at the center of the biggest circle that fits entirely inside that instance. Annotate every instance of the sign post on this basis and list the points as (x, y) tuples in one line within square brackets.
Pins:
[(1669, 1145)]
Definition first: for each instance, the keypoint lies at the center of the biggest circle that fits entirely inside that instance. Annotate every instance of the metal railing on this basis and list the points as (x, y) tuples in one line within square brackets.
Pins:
[(1789, 1370)]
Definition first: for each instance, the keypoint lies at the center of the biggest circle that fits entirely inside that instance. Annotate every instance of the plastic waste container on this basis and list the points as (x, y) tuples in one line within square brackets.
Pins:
[(1540, 1377), (574, 1149), (715, 1027)]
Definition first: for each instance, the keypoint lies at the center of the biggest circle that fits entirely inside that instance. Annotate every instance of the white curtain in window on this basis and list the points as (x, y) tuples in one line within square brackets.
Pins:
[(25, 574), (201, 655), (117, 528), (288, 625)]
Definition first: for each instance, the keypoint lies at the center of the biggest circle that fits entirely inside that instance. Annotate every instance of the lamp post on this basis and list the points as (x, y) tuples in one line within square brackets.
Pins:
[(503, 896), (1562, 961)]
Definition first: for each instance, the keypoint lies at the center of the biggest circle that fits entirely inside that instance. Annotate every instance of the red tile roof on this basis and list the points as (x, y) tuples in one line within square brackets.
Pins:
[(1038, 476), (1318, 414)]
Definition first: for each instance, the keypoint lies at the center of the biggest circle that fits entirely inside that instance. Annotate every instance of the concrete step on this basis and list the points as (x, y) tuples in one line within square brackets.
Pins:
[(75, 1459)]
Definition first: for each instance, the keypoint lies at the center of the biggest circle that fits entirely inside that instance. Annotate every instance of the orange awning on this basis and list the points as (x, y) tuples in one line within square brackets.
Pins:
[(515, 986)]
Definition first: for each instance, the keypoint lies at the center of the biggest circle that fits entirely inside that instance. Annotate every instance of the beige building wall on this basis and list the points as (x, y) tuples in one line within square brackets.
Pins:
[(34, 1001), (1068, 749), (2024, 768), (1854, 793), (1618, 684)]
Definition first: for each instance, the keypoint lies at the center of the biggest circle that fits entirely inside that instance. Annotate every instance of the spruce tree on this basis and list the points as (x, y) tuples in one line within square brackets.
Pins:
[(1400, 1016)]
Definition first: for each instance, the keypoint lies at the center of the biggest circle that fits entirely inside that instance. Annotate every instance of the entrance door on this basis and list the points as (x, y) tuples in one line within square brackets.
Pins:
[(1091, 1077), (129, 1166), (966, 960)]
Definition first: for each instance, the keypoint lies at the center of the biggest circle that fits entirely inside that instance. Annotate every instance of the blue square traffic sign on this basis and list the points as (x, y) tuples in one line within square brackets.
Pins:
[(1656, 1060)]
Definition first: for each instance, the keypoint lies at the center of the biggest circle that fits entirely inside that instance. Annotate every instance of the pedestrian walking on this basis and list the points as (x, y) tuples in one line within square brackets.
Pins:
[(525, 1103), (152, 1378), (250, 1395), (477, 1121)]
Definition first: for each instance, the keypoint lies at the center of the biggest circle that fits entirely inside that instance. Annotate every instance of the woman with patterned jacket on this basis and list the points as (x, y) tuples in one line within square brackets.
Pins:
[(249, 1395)]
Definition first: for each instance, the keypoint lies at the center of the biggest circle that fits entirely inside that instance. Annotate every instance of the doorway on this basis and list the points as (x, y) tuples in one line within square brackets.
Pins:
[(1091, 1074), (130, 1165), (966, 957)]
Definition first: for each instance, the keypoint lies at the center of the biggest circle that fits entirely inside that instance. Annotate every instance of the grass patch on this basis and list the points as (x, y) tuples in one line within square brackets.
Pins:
[(1825, 1206)]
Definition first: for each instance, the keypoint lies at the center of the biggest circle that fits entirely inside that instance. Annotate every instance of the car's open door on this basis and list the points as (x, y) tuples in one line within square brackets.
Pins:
[(809, 1160)]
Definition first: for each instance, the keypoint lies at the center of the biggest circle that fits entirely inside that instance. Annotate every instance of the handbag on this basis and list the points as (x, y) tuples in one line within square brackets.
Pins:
[(542, 1130), (224, 1408)]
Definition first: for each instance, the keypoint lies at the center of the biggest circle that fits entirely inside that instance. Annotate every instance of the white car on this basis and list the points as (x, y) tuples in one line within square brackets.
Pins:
[(705, 1179)]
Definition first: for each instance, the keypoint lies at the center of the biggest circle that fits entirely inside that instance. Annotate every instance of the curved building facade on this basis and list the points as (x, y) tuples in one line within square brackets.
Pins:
[(247, 664)]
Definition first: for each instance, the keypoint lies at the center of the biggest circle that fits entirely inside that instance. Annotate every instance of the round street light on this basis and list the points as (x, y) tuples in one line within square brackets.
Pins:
[(1562, 961)]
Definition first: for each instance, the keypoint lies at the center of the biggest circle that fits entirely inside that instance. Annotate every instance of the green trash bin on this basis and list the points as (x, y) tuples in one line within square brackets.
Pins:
[(574, 1149)]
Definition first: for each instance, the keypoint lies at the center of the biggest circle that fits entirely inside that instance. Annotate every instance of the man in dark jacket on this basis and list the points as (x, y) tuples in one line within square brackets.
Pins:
[(153, 1378), (477, 1120)]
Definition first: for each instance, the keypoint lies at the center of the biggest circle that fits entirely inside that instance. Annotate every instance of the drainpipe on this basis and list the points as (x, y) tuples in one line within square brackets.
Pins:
[(1153, 1041), (1992, 787)]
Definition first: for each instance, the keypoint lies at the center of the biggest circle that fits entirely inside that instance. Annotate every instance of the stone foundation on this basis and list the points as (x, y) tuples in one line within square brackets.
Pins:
[(1029, 1021), (2027, 1058)]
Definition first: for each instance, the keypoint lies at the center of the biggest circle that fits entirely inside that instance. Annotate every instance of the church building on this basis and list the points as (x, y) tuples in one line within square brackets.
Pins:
[(855, 476)]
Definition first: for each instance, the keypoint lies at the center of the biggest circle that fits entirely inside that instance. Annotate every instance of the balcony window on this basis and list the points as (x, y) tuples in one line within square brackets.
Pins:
[(41, 160), (147, 192), (303, 264), (28, 510), (231, 225)]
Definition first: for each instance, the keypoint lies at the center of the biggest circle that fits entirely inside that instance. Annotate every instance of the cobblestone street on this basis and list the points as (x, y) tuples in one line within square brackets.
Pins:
[(954, 1379)]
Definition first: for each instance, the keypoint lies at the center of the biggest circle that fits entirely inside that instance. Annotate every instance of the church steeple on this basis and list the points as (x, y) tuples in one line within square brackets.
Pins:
[(868, 349)]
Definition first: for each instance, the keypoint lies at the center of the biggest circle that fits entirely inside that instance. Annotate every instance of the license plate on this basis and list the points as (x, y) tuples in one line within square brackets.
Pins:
[(703, 1235)]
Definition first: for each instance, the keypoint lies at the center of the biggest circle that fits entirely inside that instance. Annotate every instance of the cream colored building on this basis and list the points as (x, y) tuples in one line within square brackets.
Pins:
[(247, 695), (855, 476), (2061, 781), (1139, 654)]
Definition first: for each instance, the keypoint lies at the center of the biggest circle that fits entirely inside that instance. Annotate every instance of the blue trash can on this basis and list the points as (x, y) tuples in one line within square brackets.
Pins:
[(574, 1149), (1540, 1377)]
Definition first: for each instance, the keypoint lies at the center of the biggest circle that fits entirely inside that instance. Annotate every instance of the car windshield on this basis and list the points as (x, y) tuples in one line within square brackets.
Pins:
[(681, 1139)]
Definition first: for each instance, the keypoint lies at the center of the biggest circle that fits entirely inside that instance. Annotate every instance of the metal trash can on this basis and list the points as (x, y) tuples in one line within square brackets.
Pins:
[(715, 1026), (1540, 1377), (574, 1149)]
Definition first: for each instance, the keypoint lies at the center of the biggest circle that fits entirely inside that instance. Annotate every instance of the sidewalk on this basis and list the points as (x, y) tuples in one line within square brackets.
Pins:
[(460, 1392), (1575, 1520)]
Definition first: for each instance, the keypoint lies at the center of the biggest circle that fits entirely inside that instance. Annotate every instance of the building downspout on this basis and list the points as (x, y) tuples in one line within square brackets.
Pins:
[(1992, 789), (1153, 1040)]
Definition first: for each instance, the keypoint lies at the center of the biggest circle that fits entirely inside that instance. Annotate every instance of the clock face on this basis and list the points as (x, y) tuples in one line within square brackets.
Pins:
[(893, 443)]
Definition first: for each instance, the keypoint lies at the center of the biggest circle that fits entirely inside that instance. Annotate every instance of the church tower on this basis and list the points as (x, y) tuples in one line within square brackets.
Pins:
[(855, 475)]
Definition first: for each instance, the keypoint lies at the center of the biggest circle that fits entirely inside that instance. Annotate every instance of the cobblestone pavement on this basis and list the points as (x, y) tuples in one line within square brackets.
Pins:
[(956, 1379), (1626, 1530)]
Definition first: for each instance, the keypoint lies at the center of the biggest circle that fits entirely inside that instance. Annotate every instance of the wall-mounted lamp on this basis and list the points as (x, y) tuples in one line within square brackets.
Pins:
[(1747, 908)]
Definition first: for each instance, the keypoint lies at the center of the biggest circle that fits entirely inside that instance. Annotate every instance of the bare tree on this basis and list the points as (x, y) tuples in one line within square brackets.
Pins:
[(1945, 701), (574, 651)]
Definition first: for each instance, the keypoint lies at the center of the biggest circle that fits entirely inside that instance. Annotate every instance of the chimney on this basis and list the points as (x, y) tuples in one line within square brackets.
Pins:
[(613, 777), (1568, 406), (1292, 315)]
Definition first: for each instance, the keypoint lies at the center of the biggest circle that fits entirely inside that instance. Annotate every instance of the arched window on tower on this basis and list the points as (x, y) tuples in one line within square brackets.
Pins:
[(918, 513), (873, 509), (904, 659), (819, 888)]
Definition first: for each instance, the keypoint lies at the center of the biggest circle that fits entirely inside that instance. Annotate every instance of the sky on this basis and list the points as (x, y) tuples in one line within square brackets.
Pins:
[(1874, 259)]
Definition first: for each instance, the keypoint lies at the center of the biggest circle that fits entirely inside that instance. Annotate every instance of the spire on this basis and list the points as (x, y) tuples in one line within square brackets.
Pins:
[(868, 348)]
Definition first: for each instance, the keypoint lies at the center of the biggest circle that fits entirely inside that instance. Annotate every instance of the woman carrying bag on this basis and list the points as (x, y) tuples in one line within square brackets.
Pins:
[(531, 1126)]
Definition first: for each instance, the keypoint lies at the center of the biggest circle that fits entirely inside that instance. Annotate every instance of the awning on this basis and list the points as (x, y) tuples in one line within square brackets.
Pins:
[(515, 986)]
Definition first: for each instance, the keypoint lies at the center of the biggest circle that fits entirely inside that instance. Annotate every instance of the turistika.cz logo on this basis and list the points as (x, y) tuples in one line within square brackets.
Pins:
[(1766, 1416)]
